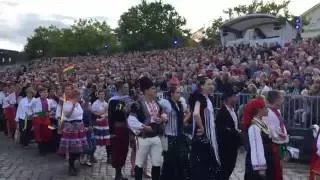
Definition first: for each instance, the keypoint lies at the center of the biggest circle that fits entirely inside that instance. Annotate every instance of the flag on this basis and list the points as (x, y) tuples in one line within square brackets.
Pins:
[(69, 68)]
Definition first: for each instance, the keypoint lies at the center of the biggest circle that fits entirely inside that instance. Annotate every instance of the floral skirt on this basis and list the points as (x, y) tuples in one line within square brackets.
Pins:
[(74, 137), (102, 133)]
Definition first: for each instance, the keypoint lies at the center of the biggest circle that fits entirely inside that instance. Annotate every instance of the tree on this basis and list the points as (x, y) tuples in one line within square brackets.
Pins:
[(150, 26), (212, 33), (84, 36)]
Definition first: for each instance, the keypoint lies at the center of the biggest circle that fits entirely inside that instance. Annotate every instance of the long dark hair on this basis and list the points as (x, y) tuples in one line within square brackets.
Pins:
[(201, 80)]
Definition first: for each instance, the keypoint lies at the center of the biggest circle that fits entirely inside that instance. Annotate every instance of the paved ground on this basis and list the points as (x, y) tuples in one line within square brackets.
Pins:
[(25, 164)]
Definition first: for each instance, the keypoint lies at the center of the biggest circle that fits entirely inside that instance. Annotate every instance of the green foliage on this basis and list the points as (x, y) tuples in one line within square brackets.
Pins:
[(151, 26), (84, 36)]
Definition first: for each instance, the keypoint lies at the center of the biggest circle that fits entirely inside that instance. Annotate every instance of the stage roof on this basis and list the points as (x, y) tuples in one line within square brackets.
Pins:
[(243, 23)]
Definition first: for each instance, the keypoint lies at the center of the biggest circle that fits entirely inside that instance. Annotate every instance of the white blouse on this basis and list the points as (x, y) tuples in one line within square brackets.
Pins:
[(273, 123), (258, 159), (24, 109), (77, 113), (11, 99), (99, 106), (318, 146), (37, 105)]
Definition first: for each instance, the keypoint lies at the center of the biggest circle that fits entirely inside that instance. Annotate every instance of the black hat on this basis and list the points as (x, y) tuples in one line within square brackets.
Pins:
[(230, 91), (145, 83)]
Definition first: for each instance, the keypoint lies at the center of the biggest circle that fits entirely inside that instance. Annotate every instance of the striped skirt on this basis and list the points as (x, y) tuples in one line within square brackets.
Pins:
[(74, 137), (102, 133)]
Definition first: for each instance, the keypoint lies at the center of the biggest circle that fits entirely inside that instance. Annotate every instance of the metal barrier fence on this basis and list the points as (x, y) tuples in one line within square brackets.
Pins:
[(298, 111)]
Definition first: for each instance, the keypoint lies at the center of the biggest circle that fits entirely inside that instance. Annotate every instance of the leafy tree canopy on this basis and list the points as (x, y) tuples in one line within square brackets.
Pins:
[(84, 36), (152, 25)]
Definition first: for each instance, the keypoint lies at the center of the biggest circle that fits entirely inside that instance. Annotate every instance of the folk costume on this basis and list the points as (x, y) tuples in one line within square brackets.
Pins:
[(9, 109), (280, 138), (205, 161), (228, 137), (118, 112), (73, 139), (176, 158), (147, 113), (2, 120), (101, 128), (41, 108), (24, 119), (259, 155), (315, 158)]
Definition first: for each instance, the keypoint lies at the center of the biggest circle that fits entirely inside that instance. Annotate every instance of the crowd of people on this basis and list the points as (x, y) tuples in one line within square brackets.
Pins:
[(70, 105)]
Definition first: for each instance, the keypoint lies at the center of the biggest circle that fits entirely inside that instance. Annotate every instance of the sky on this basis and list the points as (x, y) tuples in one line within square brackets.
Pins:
[(18, 18)]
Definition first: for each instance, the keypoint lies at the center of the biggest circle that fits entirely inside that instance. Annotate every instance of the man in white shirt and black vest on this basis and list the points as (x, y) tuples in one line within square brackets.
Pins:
[(146, 121)]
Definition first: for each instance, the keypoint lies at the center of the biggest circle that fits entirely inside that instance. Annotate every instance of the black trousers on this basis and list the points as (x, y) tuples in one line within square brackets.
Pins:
[(228, 158), (176, 165), (25, 131)]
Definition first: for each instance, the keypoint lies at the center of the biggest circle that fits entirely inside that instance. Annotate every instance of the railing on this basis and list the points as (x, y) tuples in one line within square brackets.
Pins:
[(298, 111)]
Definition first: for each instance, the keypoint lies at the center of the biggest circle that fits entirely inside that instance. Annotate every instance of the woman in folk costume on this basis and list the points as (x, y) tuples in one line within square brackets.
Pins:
[(73, 140), (41, 120), (87, 158), (24, 117), (54, 101), (176, 161), (259, 161), (99, 109), (278, 131), (315, 156), (9, 108), (204, 149), (146, 121)]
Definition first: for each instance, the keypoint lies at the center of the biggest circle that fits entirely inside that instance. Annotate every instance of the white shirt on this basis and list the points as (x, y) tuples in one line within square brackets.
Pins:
[(77, 113), (273, 123), (318, 146), (257, 157), (233, 115), (10, 100), (24, 109), (37, 105), (2, 97), (99, 106)]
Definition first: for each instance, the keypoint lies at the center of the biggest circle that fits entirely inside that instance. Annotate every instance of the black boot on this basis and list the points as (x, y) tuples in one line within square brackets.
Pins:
[(138, 172), (155, 173)]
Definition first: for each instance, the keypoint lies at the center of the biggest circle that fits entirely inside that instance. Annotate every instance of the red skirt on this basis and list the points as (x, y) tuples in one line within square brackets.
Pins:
[(102, 133), (277, 165), (10, 114), (120, 146), (314, 167), (40, 129)]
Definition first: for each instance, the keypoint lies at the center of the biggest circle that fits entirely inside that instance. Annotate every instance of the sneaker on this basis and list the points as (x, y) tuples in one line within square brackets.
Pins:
[(88, 163)]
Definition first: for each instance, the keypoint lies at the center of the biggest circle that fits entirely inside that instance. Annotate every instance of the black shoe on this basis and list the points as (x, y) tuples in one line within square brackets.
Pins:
[(72, 172)]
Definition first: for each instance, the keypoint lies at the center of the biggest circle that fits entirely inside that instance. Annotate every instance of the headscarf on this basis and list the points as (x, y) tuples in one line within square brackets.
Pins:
[(250, 107)]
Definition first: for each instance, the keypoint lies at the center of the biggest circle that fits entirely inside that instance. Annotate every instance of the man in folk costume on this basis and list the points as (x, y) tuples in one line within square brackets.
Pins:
[(315, 156), (24, 117), (228, 134), (118, 112), (278, 131), (9, 106), (146, 121), (41, 120)]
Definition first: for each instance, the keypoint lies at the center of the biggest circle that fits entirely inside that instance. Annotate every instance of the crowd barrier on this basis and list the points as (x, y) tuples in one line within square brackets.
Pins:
[(298, 111)]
